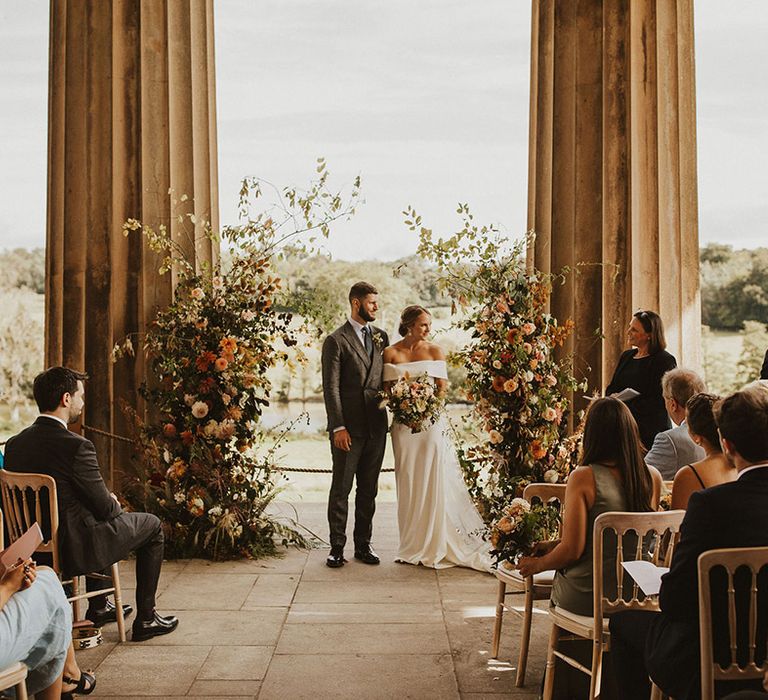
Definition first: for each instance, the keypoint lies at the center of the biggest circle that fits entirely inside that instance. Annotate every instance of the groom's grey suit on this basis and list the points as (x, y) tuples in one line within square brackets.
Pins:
[(352, 379)]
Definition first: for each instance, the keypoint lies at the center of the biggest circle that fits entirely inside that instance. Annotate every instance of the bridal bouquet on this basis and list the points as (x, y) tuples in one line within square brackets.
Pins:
[(415, 402), (523, 525)]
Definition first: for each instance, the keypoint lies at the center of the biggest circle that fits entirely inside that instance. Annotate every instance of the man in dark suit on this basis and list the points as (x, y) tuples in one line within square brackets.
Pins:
[(352, 378), (764, 368), (94, 532), (729, 515)]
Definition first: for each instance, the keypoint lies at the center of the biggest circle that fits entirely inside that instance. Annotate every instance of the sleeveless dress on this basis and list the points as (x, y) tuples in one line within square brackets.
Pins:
[(438, 522), (572, 587)]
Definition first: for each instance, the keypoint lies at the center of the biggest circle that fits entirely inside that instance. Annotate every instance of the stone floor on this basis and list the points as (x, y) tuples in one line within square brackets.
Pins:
[(293, 628)]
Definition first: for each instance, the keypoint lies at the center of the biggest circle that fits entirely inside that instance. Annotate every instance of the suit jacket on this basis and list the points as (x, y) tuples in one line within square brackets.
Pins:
[(672, 450), (764, 368), (352, 381), (92, 535), (729, 515)]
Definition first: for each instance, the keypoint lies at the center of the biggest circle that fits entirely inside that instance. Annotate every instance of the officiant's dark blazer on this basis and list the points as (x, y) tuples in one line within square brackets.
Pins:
[(92, 533), (730, 515), (764, 369), (352, 380)]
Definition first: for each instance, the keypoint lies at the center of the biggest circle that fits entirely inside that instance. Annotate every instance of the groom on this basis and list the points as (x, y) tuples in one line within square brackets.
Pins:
[(352, 376)]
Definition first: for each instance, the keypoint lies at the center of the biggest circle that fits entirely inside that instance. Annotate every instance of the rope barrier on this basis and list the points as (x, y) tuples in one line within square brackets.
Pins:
[(294, 470)]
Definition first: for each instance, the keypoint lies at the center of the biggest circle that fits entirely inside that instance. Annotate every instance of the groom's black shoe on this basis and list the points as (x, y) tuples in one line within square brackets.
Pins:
[(335, 558), (367, 556)]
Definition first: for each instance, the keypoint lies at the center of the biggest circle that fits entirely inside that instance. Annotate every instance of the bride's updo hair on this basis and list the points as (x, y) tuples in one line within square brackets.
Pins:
[(409, 316)]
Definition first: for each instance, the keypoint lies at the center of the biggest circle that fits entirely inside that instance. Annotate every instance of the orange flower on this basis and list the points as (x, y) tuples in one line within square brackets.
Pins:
[(169, 430), (234, 412), (511, 333), (538, 450), (187, 438), (203, 362), (221, 364), (498, 383), (228, 345)]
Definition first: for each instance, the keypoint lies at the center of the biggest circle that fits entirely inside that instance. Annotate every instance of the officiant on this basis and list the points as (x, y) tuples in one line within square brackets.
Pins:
[(641, 368)]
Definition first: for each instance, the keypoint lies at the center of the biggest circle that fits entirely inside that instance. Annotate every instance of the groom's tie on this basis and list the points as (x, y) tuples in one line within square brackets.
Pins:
[(367, 340)]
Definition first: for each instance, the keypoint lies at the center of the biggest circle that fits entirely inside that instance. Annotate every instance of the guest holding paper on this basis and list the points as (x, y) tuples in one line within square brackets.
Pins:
[(734, 514), (641, 368), (613, 478), (715, 468)]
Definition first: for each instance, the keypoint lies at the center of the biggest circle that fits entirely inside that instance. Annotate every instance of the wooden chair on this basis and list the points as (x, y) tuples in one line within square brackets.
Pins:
[(20, 492), (754, 559), (536, 587), (595, 628), (15, 675)]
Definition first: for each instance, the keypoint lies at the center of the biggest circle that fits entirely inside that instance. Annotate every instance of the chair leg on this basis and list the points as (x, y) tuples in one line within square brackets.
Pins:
[(656, 693), (549, 671), (525, 636), (118, 602), (502, 591), (21, 691), (597, 669), (76, 605)]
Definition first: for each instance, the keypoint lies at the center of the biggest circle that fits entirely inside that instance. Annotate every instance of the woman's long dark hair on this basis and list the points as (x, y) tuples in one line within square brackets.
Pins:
[(611, 435)]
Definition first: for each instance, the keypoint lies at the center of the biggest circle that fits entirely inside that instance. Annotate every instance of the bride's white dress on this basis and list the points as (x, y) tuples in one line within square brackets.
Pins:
[(439, 524)]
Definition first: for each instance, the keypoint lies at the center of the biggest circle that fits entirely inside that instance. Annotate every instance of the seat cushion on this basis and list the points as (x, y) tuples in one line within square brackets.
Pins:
[(582, 625), (545, 578)]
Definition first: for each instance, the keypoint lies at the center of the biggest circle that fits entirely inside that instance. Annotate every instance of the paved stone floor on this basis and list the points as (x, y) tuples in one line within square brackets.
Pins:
[(293, 628)]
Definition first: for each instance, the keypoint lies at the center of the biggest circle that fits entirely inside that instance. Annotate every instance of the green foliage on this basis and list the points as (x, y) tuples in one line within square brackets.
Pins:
[(520, 392), (734, 286), (23, 268), (207, 470), (754, 344)]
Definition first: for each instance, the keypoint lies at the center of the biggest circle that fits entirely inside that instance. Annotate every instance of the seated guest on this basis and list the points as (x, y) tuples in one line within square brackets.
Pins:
[(94, 532), (764, 368), (735, 514), (715, 468), (36, 629), (674, 448), (614, 477)]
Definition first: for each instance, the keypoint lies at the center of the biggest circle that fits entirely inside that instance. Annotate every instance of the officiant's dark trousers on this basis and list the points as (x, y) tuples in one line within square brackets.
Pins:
[(362, 462)]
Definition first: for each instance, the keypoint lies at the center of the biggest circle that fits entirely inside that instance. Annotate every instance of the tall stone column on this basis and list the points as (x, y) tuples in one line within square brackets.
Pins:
[(612, 171), (132, 116)]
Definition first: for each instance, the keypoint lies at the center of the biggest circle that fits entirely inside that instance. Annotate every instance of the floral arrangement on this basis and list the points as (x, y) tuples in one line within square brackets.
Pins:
[(205, 469), (414, 401), (519, 388), (521, 526)]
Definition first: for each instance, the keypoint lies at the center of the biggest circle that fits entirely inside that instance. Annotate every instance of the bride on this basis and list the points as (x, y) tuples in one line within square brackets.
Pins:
[(438, 522)]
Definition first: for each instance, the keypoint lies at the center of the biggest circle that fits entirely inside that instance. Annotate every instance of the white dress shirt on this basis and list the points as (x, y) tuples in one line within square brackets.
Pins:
[(749, 469)]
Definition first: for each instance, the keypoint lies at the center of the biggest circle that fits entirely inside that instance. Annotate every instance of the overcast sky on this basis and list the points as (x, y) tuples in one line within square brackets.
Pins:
[(426, 99)]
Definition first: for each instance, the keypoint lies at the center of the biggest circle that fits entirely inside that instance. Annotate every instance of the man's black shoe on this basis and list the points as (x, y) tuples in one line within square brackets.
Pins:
[(107, 614), (367, 556), (157, 625), (335, 558)]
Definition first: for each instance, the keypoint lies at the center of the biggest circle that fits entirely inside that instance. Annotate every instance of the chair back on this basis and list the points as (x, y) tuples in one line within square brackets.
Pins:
[(546, 492), (753, 559), (649, 529), (23, 502)]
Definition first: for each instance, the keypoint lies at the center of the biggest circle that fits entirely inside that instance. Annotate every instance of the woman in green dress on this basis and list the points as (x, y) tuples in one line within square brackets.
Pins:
[(614, 478)]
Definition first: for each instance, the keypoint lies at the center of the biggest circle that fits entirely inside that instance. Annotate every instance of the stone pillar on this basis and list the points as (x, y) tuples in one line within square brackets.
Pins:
[(132, 115), (612, 171)]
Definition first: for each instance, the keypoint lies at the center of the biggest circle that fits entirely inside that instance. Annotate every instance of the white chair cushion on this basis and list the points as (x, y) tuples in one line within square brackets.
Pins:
[(545, 578), (583, 625)]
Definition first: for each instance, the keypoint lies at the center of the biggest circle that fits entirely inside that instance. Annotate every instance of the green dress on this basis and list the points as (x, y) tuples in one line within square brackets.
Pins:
[(572, 587)]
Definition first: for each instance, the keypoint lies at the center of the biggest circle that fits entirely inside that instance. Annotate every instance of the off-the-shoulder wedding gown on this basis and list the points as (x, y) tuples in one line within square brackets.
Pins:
[(439, 524)]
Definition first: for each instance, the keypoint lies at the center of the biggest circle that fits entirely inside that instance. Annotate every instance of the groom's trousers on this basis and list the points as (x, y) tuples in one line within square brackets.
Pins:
[(362, 462)]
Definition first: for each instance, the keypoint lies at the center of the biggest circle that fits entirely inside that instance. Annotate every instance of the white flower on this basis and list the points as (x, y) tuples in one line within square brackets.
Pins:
[(197, 294), (199, 409), (179, 497), (189, 399), (497, 364), (528, 376), (211, 428), (549, 414), (225, 399), (248, 316), (496, 437), (551, 476), (217, 283), (215, 511)]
